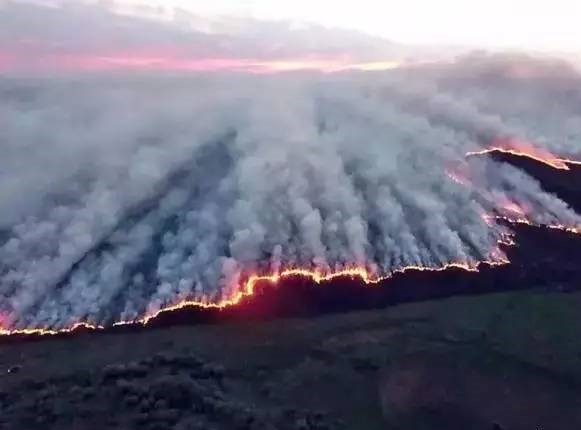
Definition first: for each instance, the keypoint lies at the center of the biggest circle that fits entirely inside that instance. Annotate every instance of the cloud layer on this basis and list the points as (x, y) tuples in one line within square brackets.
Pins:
[(76, 36)]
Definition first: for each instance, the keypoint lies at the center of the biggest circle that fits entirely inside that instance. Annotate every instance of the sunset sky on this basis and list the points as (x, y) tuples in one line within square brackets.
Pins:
[(273, 36), (528, 24)]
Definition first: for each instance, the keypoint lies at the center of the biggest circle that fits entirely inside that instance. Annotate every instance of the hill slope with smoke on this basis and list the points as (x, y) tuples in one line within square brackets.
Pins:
[(122, 196)]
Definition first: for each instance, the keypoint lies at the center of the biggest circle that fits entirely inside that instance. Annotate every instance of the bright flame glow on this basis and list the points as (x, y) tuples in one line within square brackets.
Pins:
[(249, 288), (524, 148), (518, 215), (50, 332)]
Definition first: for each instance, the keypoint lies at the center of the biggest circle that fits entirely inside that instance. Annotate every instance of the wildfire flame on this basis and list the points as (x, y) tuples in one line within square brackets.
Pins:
[(523, 221), (51, 332), (513, 213), (524, 148), (496, 258), (249, 289)]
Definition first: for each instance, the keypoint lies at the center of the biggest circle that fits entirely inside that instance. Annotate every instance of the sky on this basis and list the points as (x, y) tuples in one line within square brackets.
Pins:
[(521, 24), (272, 36)]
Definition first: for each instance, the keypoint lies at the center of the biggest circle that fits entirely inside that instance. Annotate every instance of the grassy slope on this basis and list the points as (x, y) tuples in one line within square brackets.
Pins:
[(333, 363)]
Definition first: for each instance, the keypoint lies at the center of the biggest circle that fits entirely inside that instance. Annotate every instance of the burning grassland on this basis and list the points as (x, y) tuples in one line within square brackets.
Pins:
[(126, 199)]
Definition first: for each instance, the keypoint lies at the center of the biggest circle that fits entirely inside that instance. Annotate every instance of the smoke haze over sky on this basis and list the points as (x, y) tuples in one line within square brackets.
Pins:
[(521, 24), (260, 36)]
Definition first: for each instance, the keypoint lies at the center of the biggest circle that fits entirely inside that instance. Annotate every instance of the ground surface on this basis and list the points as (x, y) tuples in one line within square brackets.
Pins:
[(508, 361)]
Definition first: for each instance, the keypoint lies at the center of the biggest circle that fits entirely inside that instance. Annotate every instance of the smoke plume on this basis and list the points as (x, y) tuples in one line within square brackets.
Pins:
[(120, 196)]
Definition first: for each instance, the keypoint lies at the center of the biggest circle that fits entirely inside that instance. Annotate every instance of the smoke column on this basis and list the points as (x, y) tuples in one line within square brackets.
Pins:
[(122, 196)]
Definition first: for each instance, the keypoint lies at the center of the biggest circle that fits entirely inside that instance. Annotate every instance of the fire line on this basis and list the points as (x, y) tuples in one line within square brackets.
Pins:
[(366, 276)]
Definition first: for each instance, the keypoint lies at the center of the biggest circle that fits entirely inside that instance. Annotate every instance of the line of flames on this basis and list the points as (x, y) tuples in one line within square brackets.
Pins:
[(524, 221), (554, 162), (249, 288), (365, 275), (317, 277)]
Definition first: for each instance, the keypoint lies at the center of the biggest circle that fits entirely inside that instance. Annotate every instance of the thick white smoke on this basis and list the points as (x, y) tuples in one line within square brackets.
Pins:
[(121, 196)]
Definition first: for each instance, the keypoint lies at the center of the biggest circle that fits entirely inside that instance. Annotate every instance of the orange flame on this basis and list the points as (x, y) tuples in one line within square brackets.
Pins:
[(513, 214), (51, 332), (523, 148), (249, 289), (561, 227), (496, 258)]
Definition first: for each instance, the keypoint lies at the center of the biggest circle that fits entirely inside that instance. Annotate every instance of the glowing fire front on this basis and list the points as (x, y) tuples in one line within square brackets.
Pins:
[(249, 288), (523, 148), (510, 212)]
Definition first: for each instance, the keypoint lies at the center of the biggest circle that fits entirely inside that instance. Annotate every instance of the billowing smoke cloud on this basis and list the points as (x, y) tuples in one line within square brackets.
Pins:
[(120, 196)]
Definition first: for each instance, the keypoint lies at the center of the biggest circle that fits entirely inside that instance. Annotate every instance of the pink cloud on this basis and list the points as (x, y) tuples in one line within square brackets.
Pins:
[(74, 62), (92, 38), (7, 61)]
